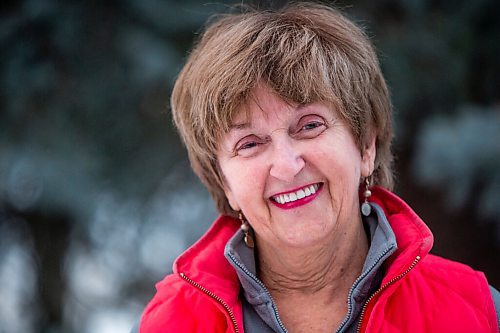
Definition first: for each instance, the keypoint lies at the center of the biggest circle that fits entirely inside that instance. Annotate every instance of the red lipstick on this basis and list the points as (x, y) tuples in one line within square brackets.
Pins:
[(298, 202)]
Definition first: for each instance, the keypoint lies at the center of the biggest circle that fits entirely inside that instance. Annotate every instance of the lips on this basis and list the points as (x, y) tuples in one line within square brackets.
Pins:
[(297, 197)]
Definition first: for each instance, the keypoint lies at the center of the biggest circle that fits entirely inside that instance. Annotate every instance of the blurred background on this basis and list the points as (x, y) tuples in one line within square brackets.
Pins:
[(96, 195)]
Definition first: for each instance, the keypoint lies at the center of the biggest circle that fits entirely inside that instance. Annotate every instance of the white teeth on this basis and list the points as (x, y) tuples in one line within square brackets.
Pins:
[(300, 194), (312, 188)]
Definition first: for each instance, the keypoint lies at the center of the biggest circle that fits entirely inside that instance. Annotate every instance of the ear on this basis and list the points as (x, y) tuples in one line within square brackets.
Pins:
[(368, 157), (231, 199), (227, 190)]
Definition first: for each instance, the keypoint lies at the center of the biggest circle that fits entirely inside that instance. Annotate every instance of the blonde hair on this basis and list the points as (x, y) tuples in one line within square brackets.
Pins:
[(304, 52)]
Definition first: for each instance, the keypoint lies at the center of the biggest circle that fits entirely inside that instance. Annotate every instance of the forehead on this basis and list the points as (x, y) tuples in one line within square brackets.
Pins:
[(266, 106), (263, 104)]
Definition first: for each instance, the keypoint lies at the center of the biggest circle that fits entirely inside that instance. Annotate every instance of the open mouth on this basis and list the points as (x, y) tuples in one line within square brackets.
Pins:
[(302, 194)]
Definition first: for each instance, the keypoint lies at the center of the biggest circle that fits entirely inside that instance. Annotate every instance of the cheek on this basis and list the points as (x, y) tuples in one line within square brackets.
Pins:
[(342, 167), (246, 182), (322, 156)]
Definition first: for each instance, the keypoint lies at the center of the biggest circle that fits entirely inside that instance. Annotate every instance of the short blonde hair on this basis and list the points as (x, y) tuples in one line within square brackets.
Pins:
[(304, 52)]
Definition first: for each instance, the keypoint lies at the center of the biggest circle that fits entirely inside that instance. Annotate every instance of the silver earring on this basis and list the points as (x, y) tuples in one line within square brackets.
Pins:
[(245, 227), (366, 209)]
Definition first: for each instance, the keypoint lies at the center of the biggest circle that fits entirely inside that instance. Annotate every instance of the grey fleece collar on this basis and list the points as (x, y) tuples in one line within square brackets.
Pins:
[(259, 309)]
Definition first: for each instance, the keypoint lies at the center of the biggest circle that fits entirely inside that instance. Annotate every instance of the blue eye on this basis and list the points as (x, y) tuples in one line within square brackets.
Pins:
[(311, 125), (247, 145)]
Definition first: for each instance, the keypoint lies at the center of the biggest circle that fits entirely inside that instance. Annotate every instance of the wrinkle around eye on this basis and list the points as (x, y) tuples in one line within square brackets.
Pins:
[(249, 146), (314, 124), (310, 126)]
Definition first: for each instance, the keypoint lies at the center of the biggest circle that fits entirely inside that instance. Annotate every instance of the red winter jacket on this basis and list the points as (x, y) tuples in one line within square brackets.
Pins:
[(420, 292)]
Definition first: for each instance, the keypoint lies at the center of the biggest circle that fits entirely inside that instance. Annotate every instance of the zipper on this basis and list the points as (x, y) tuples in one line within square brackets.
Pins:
[(382, 288), (355, 284), (253, 277), (215, 297)]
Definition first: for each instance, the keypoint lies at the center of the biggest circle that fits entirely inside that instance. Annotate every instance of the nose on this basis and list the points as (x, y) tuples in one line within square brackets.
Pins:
[(286, 161)]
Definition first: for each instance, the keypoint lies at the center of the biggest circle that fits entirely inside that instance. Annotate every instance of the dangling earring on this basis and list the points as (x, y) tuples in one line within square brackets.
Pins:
[(247, 230), (366, 209)]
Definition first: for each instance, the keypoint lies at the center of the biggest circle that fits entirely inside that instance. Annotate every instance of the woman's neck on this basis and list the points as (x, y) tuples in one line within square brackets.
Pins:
[(331, 265), (310, 286)]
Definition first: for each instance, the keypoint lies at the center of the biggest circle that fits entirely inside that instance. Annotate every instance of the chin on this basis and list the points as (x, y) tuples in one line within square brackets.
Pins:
[(305, 239)]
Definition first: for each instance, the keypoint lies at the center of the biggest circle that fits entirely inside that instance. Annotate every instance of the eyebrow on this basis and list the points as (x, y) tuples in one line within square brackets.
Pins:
[(246, 125), (241, 126)]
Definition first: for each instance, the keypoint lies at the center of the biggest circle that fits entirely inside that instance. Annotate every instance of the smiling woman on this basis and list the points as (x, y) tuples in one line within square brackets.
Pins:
[(282, 151), (287, 121)]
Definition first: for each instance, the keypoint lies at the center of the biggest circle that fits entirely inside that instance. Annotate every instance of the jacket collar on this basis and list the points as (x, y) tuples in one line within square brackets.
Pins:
[(413, 237), (204, 262)]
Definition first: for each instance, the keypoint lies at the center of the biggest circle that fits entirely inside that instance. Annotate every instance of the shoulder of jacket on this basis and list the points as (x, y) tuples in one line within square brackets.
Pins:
[(179, 307), (444, 276), (437, 295), (440, 267)]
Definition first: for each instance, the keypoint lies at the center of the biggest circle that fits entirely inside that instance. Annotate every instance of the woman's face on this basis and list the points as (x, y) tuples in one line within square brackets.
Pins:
[(293, 170)]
